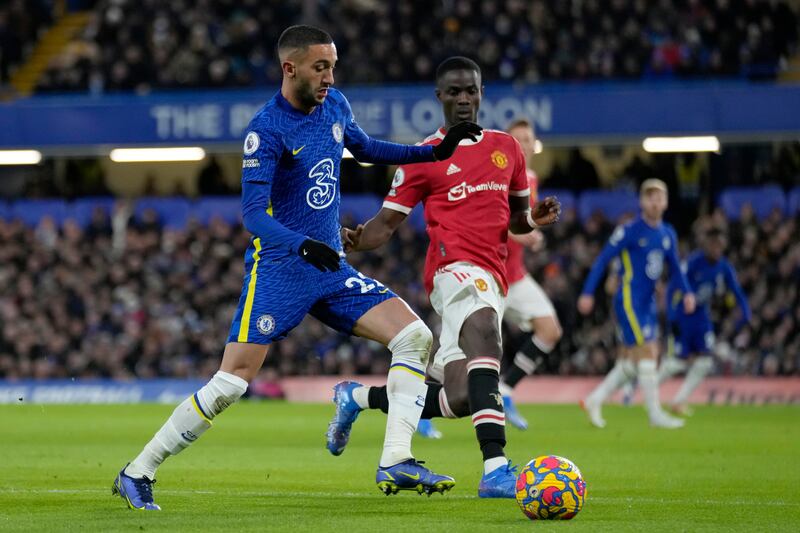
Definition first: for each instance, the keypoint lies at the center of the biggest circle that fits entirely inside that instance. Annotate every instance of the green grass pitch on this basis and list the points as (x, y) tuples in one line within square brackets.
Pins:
[(263, 467)]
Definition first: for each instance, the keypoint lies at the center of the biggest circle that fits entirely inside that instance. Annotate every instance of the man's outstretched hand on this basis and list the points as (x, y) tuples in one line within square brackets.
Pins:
[(546, 212), (351, 237), (456, 134)]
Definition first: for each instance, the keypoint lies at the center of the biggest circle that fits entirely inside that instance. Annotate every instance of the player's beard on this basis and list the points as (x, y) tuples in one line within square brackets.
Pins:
[(306, 94)]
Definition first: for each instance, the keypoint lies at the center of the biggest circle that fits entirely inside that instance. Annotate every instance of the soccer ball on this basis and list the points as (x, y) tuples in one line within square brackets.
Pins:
[(550, 488)]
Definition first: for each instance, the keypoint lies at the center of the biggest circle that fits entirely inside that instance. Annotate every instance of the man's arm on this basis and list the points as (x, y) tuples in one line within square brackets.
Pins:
[(525, 219), (679, 275), (368, 150), (262, 153), (374, 233), (741, 299)]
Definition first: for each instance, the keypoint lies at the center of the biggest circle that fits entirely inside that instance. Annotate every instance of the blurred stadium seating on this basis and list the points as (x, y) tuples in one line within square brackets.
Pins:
[(133, 299), (147, 44)]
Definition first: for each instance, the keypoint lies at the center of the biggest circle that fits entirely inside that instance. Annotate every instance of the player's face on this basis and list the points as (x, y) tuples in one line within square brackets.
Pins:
[(653, 203), (714, 247), (527, 140), (460, 93), (313, 73)]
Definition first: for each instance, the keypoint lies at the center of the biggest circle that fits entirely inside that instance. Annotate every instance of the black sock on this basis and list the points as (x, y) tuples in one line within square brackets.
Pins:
[(432, 408), (378, 398), (525, 361), (486, 405)]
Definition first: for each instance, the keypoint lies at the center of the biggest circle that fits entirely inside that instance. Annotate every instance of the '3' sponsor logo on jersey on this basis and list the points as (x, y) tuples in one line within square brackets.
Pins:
[(322, 194)]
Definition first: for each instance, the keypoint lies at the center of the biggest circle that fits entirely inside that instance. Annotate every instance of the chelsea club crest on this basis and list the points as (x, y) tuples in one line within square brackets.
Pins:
[(337, 131), (265, 324)]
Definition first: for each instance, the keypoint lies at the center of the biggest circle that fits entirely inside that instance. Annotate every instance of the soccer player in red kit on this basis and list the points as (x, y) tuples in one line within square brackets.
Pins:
[(471, 202), (527, 305)]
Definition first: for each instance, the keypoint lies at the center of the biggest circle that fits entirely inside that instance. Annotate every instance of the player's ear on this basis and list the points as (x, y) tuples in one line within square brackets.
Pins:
[(289, 69), (438, 94)]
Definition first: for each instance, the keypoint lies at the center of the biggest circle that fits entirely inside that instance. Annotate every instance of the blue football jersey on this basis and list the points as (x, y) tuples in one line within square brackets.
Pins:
[(291, 165), (705, 279), (642, 250)]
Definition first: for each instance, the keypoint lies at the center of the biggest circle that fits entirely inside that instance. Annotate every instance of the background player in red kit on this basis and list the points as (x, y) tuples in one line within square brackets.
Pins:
[(471, 202), (527, 305)]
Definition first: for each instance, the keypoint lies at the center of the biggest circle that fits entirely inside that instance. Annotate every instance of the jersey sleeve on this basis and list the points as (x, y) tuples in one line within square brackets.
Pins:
[(409, 187), (615, 244), (733, 284), (368, 150), (262, 153), (677, 273), (519, 185)]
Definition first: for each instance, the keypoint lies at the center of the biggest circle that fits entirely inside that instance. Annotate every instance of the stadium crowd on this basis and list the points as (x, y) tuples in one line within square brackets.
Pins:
[(147, 44), (124, 297), (21, 25)]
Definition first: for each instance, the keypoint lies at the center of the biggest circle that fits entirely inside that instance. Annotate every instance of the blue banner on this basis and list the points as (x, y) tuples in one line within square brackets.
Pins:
[(409, 113), (98, 391)]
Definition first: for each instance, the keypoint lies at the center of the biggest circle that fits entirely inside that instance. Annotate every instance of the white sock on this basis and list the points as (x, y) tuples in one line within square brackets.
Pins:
[(697, 372), (406, 390), (490, 465), (622, 372), (648, 382), (669, 367), (505, 390), (361, 396), (187, 423)]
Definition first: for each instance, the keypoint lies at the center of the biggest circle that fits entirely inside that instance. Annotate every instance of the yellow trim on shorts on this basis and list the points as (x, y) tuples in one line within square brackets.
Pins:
[(627, 299), (244, 326)]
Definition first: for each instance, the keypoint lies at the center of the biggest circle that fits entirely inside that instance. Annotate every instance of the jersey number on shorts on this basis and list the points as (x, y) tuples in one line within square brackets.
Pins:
[(361, 282)]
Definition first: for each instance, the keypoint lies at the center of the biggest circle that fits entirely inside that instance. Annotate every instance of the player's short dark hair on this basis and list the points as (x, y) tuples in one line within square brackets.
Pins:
[(302, 36), (456, 63)]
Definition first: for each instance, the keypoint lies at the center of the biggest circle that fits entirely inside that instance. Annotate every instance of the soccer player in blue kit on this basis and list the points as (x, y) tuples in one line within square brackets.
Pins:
[(642, 246), (708, 273), (295, 266)]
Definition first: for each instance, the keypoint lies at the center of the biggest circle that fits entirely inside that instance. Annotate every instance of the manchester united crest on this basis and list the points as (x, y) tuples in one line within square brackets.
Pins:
[(482, 285), (499, 159)]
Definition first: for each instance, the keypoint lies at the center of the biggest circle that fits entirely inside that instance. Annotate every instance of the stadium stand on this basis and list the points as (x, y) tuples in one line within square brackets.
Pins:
[(97, 288), (141, 45), (762, 200)]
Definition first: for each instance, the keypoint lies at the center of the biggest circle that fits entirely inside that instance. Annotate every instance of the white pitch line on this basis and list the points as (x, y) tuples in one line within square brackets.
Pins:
[(298, 494)]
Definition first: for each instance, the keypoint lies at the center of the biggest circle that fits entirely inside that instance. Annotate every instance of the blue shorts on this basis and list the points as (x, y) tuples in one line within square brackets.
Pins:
[(277, 295), (692, 335), (637, 323)]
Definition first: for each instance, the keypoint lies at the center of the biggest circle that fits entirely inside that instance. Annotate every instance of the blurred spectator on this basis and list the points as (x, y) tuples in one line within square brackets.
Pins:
[(21, 24), (211, 180), (145, 44), (123, 300)]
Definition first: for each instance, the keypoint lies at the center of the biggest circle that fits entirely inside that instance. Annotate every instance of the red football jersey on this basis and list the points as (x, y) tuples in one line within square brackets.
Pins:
[(465, 200), (515, 264)]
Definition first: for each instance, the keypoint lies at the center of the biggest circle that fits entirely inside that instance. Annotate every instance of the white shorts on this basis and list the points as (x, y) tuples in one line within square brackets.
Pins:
[(459, 290), (526, 300)]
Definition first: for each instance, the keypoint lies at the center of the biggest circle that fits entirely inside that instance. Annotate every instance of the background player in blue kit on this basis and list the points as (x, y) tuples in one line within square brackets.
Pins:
[(642, 246), (294, 265), (709, 274)]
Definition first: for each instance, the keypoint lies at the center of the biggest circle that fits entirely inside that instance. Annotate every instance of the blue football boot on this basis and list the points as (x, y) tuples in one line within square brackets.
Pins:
[(347, 411), (137, 492), (427, 429), (499, 483), (512, 415), (411, 475)]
